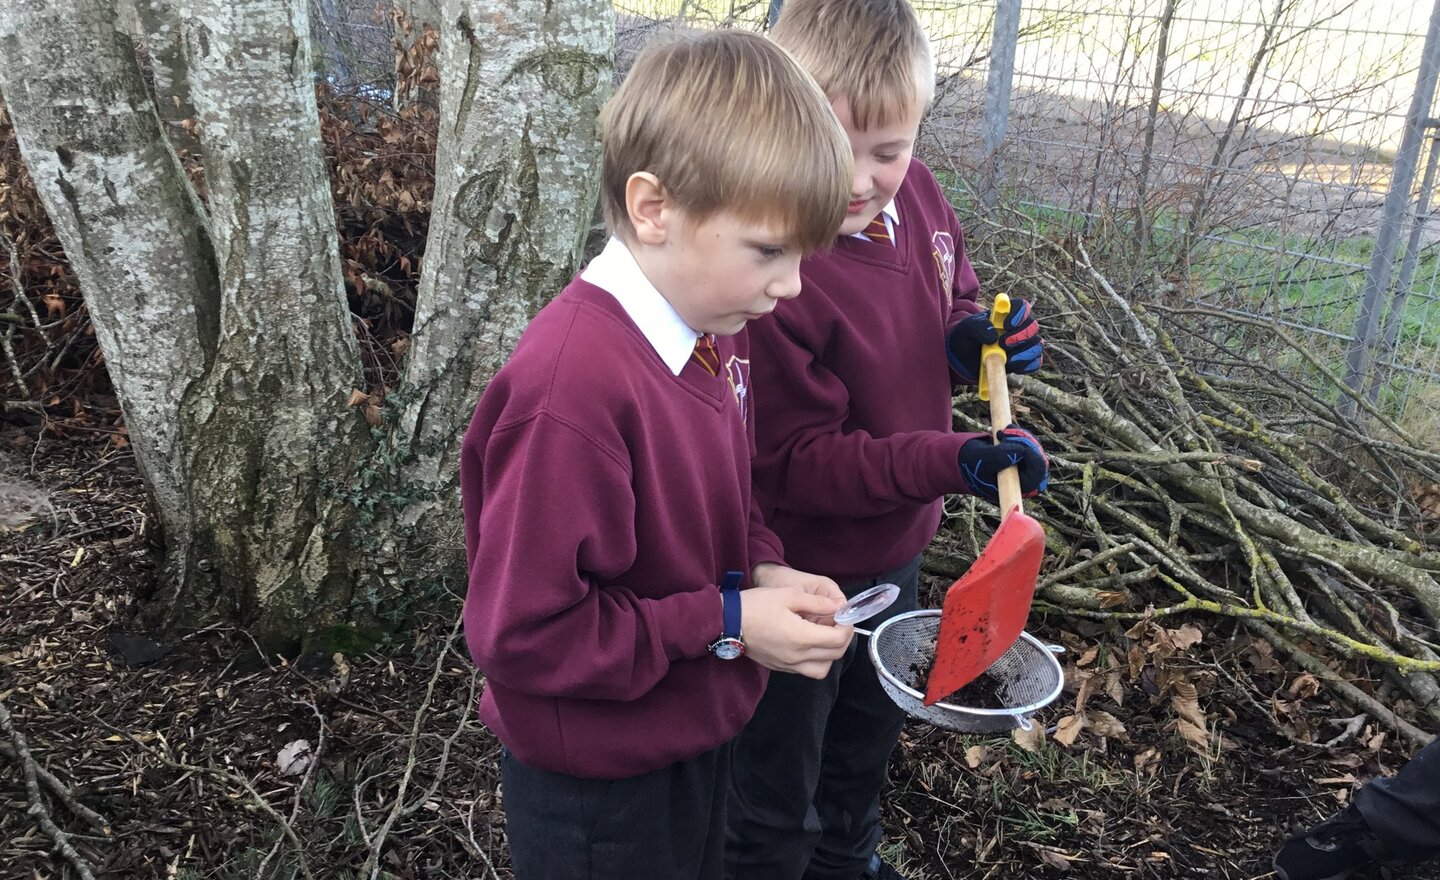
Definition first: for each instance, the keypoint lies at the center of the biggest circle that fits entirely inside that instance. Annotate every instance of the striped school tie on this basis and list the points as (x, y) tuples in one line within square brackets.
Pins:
[(877, 231), (706, 354)]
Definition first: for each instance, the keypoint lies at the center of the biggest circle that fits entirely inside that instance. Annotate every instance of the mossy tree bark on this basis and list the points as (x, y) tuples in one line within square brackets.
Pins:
[(228, 336)]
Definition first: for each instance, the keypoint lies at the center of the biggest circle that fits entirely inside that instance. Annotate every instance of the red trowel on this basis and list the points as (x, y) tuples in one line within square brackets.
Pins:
[(985, 610)]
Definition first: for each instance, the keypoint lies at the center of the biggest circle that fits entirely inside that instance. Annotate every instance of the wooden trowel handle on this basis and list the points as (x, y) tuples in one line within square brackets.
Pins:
[(992, 368)]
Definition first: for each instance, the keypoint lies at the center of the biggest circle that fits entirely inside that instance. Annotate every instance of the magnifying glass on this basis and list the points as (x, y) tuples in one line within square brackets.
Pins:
[(867, 603)]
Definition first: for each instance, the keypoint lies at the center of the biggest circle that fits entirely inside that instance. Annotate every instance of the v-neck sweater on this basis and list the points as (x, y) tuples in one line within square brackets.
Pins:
[(854, 430), (605, 497)]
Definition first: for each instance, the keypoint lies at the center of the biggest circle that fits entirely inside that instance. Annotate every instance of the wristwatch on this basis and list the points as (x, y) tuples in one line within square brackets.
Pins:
[(731, 644)]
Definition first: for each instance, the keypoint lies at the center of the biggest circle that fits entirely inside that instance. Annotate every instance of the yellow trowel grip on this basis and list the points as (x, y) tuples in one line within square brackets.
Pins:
[(988, 353)]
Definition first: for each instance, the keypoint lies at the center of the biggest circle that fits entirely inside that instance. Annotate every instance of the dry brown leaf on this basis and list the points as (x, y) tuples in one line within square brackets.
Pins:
[(1112, 598), (975, 756), (1262, 656), (1196, 737), (1069, 728), (1102, 723), (1136, 660), (1306, 685), (1186, 637), (1114, 689), (1087, 681), (341, 668), (1054, 860), (1186, 703), (1032, 740), (1427, 498)]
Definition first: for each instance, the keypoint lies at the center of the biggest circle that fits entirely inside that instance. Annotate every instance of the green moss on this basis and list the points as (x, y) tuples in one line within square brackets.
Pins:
[(344, 638)]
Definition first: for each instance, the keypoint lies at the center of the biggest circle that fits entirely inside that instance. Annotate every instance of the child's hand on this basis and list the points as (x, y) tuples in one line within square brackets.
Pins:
[(1024, 349), (982, 460), (778, 617), (770, 574)]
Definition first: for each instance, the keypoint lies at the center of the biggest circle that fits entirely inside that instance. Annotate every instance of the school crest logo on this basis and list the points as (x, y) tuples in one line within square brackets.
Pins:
[(944, 253), (737, 374)]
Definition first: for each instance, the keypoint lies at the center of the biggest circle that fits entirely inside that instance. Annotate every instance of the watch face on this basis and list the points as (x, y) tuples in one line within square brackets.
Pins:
[(727, 648)]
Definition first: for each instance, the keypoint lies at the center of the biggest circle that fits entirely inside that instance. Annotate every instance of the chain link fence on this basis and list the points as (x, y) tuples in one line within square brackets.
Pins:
[(1269, 158), (1249, 149), (1241, 151)]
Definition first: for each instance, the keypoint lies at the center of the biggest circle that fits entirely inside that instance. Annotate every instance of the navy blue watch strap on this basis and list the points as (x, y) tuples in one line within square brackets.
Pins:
[(730, 600)]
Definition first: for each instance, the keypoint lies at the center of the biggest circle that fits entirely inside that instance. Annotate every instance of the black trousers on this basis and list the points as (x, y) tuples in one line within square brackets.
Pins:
[(808, 769), (668, 824), (1404, 810)]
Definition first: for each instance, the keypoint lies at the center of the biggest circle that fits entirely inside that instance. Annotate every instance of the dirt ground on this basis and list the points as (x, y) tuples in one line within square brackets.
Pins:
[(208, 760)]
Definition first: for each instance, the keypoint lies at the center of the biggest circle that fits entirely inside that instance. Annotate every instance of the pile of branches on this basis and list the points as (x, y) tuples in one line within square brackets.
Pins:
[(1192, 477)]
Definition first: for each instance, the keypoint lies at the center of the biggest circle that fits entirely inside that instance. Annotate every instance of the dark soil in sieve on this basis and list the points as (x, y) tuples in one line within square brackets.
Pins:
[(920, 669), (982, 693)]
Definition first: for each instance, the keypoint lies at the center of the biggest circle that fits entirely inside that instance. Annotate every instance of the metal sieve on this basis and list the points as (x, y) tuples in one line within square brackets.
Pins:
[(1028, 676)]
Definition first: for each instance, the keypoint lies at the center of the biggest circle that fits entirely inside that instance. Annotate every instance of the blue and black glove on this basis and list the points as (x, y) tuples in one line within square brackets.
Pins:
[(982, 460), (1024, 349)]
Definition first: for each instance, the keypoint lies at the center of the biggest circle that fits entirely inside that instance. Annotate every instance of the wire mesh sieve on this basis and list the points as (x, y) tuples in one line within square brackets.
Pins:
[(1027, 676)]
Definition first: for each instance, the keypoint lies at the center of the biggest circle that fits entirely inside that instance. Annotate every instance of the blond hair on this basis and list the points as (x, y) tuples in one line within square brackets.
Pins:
[(727, 121), (874, 53)]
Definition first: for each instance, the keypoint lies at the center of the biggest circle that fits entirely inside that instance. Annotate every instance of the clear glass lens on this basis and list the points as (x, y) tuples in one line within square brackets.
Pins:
[(867, 604)]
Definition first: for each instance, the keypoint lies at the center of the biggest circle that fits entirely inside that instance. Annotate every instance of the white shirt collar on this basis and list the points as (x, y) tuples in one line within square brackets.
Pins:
[(615, 271), (890, 214)]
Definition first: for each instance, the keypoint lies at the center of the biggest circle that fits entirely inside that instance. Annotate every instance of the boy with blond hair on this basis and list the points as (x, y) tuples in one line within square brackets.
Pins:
[(855, 440), (606, 480)]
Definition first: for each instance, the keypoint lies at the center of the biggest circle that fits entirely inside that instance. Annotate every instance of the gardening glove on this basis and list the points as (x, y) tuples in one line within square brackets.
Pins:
[(1024, 349), (982, 460)]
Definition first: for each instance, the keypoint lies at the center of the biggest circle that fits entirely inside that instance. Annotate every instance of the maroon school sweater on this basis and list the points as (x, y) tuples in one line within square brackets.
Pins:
[(604, 499), (854, 429)]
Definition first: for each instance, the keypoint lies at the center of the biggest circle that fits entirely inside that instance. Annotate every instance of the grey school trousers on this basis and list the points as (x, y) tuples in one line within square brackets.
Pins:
[(808, 768), (668, 824), (1404, 810)]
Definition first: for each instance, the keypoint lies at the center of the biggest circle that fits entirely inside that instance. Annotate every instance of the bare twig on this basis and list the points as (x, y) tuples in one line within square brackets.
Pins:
[(299, 791), (371, 868), (36, 810), (61, 791), (1200, 483), (226, 777)]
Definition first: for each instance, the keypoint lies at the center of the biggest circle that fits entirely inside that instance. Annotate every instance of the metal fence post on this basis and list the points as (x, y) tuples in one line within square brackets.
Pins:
[(1392, 216), (997, 97), (1396, 317)]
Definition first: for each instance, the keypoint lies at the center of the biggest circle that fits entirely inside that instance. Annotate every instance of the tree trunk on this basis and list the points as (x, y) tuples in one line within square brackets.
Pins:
[(121, 207), (515, 189), (160, 28), (272, 441), (229, 340)]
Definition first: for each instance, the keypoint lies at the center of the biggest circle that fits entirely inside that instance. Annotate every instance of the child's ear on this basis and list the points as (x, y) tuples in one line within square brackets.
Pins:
[(647, 207)]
